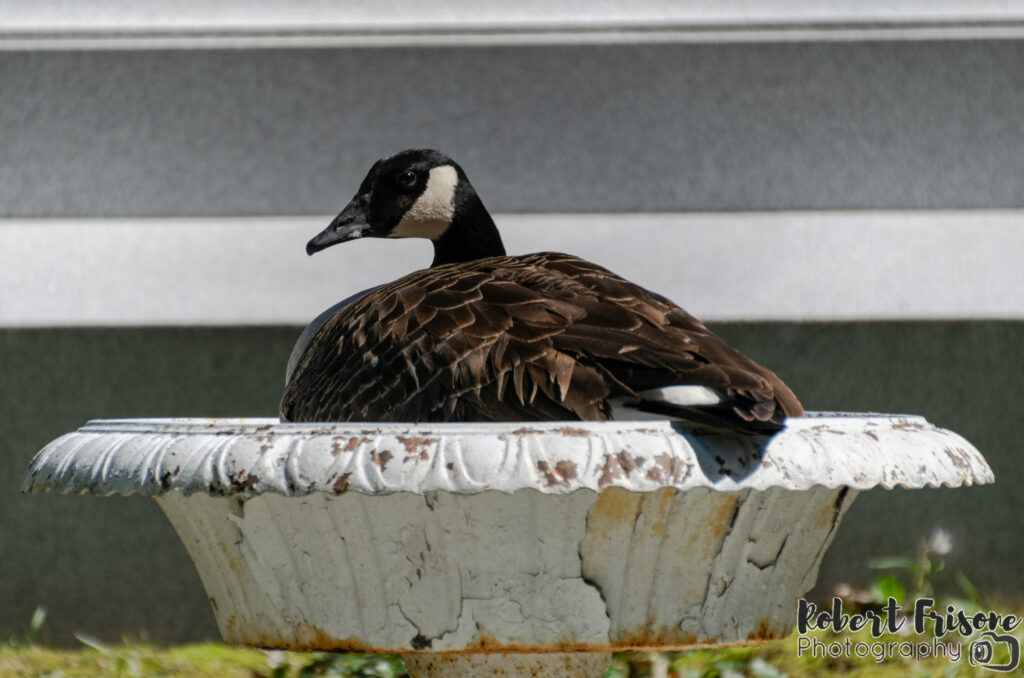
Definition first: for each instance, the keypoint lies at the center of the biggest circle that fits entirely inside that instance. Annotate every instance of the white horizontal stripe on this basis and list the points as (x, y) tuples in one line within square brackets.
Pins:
[(184, 15), (751, 266), (153, 24), (106, 42)]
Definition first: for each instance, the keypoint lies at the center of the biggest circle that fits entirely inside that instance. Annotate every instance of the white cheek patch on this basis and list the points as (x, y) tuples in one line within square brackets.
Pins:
[(431, 214)]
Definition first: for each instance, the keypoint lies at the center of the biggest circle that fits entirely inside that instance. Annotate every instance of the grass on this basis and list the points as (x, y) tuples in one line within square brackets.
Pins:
[(208, 660), (900, 578), (781, 659), (772, 660)]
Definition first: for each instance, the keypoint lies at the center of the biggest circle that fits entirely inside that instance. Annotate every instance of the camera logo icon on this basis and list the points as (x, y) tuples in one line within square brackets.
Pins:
[(980, 652)]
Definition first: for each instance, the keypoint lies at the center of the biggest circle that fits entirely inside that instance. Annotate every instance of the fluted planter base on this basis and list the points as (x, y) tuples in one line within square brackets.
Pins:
[(503, 549), (499, 572)]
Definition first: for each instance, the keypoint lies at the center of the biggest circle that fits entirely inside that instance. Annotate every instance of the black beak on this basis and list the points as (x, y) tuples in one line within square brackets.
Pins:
[(349, 225)]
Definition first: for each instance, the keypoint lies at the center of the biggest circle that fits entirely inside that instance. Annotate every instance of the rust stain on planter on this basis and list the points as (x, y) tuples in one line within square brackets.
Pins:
[(613, 508), (618, 465), (958, 458), (416, 443), (381, 458), (416, 446), (829, 514), (487, 643), (309, 638), (721, 515), (652, 642), (243, 482), (355, 442), (561, 474), (563, 431), (662, 505), (826, 516), (340, 484), (673, 468), (650, 639), (763, 633)]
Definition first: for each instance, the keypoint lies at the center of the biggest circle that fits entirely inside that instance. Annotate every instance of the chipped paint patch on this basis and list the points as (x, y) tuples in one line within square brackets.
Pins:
[(243, 482), (417, 448), (381, 458), (355, 442), (560, 475), (618, 466), (340, 484), (416, 444)]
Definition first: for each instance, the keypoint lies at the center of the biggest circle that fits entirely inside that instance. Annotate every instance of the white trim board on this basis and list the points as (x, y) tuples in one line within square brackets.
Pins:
[(747, 266), (163, 24)]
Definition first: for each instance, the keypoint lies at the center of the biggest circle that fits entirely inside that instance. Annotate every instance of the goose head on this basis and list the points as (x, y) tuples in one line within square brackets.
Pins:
[(417, 194)]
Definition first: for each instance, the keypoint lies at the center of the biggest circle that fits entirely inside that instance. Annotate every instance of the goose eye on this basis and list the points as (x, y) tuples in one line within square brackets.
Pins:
[(406, 179)]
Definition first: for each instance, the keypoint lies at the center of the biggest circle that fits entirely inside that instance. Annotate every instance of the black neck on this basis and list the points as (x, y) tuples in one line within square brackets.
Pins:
[(472, 233)]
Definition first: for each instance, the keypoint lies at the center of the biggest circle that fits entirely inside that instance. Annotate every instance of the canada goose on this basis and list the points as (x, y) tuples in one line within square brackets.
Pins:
[(481, 336)]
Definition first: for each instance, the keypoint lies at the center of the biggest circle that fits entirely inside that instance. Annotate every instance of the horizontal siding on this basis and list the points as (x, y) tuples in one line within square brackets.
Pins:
[(678, 128), (779, 266)]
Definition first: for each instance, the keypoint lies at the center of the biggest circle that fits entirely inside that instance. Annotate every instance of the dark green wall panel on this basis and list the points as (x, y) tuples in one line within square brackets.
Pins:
[(113, 565), (964, 376), (108, 566)]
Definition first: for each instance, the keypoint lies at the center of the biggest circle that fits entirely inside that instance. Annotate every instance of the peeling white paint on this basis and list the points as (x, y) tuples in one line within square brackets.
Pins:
[(552, 537), (252, 456)]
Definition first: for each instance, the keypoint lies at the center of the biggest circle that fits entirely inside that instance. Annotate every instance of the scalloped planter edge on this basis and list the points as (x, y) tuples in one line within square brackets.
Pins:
[(452, 542)]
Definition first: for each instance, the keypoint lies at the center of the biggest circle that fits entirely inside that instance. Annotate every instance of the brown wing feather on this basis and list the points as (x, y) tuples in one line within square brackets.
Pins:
[(542, 336)]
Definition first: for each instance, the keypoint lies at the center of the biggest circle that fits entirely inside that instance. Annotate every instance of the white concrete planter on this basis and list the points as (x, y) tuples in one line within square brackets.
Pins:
[(449, 542)]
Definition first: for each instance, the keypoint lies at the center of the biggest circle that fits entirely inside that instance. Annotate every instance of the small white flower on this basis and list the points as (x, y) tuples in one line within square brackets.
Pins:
[(941, 542)]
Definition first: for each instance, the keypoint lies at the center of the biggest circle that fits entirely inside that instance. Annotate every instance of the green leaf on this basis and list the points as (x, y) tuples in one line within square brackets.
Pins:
[(889, 562), (36, 623), (887, 586), (89, 641), (967, 587)]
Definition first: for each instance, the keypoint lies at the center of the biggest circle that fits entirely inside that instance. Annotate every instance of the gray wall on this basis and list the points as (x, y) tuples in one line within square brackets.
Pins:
[(578, 129), (831, 126)]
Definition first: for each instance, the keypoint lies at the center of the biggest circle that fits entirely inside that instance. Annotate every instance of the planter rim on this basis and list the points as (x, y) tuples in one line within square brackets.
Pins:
[(251, 456)]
